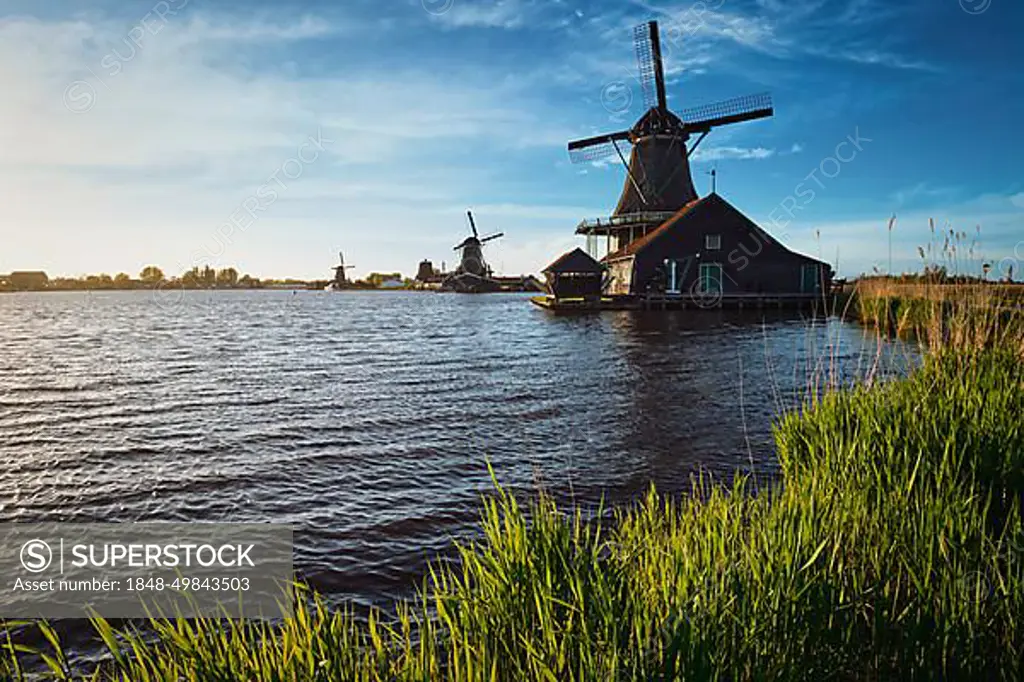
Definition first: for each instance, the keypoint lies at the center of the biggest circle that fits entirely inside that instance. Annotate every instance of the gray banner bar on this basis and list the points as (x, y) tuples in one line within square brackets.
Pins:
[(134, 570)]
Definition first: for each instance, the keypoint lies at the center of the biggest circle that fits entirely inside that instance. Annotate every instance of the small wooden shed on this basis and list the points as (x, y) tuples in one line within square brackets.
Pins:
[(575, 274)]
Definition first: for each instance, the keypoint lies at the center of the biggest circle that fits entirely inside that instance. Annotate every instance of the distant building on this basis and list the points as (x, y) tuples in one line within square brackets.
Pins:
[(383, 280), (25, 280), (427, 273)]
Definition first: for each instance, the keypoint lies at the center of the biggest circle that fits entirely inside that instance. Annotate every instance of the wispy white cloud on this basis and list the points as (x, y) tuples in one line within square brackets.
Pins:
[(504, 14), (873, 57), (922, 191), (203, 29), (739, 153), (784, 30)]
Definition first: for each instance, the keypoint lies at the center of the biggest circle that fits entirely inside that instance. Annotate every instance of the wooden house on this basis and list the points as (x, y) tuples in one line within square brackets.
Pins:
[(575, 274), (709, 247)]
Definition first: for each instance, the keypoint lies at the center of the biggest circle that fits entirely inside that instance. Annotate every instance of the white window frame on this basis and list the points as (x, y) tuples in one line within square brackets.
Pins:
[(712, 242)]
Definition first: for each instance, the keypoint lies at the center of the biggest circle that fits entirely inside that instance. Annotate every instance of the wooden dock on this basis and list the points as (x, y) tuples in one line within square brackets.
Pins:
[(743, 301)]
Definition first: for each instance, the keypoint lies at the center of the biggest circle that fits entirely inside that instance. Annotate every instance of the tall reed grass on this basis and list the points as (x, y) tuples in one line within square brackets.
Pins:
[(893, 548), (944, 307)]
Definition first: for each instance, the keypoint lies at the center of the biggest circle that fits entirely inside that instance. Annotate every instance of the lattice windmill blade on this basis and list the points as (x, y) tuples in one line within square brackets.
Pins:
[(748, 108), (594, 148), (590, 154), (648, 61), (493, 236), (472, 224)]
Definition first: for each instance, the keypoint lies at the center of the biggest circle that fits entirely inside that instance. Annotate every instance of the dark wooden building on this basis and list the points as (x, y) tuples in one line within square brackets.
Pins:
[(575, 274), (25, 280), (709, 247)]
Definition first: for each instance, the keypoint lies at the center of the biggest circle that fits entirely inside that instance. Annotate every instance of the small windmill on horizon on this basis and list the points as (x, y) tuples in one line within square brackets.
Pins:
[(340, 277)]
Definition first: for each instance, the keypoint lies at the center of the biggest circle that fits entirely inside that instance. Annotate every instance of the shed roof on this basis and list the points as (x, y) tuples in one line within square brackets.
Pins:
[(576, 260)]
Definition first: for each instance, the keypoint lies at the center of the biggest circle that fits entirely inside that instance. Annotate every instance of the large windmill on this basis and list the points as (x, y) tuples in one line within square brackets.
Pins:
[(473, 275), (658, 172), (663, 242)]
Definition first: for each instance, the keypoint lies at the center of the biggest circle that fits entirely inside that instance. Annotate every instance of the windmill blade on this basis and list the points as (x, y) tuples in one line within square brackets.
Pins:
[(594, 148), (735, 110), (595, 153), (648, 62), (598, 139), (472, 223), (659, 66), (462, 245), (493, 236)]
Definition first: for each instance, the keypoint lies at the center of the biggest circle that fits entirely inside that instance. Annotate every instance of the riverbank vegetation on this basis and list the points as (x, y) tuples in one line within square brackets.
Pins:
[(940, 313), (891, 548)]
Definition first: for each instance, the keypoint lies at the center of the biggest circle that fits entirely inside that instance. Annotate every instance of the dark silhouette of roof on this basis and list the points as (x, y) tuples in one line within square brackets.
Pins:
[(576, 260), (638, 244), (700, 210)]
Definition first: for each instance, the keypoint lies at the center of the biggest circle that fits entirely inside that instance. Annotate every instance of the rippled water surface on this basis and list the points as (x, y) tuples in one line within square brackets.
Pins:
[(367, 419)]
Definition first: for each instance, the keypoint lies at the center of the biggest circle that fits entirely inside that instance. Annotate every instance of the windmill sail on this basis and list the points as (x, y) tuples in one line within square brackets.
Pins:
[(730, 111), (658, 172), (648, 59)]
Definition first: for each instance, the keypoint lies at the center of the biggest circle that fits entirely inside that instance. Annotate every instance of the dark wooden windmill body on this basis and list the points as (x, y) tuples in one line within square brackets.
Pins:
[(340, 276), (472, 275), (658, 181)]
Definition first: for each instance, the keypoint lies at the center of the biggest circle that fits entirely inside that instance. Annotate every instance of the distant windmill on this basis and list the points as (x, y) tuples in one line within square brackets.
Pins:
[(472, 275), (472, 260), (340, 278), (658, 172)]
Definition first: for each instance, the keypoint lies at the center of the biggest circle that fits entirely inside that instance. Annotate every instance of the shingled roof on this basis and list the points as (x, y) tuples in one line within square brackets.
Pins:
[(576, 260)]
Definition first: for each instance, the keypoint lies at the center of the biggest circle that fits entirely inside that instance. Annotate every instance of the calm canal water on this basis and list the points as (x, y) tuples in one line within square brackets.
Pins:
[(367, 419)]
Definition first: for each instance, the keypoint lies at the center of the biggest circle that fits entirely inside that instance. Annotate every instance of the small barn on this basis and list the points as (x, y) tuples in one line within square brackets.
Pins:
[(709, 247), (575, 274), (25, 280)]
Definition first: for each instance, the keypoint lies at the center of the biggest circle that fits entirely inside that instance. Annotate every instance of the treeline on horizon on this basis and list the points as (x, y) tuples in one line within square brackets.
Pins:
[(153, 277)]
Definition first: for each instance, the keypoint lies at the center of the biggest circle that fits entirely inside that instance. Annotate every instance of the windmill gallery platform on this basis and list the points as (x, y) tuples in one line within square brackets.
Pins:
[(665, 247)]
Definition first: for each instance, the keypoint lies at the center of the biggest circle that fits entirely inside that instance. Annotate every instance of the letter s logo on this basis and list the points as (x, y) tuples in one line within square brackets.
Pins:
[(36, 556)]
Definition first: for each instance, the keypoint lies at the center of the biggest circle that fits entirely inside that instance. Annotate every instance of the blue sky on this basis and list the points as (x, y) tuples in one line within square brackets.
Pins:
[(270, 135)]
